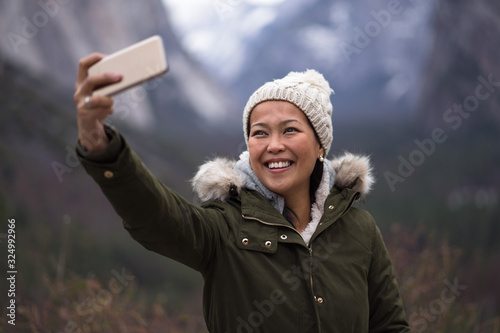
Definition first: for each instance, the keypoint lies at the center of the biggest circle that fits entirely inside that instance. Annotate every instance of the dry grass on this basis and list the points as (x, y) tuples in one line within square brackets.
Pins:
[(425, 273), (436, 290)]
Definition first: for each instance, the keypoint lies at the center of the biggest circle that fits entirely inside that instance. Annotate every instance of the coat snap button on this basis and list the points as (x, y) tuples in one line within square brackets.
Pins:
[(284, 236), (109, 174), (320, 300), (331, 207), (268, 244), (245, 241)]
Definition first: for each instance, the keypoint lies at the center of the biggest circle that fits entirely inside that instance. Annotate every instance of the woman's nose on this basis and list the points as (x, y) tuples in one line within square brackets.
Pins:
[(275, 144)]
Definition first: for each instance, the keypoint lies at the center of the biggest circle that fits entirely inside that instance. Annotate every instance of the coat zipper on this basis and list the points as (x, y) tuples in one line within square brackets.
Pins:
[(311, 270), (309, 248), (311, 281)]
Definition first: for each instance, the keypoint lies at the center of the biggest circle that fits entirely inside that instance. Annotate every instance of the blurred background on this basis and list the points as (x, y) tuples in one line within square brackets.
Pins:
[(417, 87)]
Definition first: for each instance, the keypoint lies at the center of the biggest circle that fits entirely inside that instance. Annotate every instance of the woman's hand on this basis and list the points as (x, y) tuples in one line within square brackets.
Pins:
[(92, 110)]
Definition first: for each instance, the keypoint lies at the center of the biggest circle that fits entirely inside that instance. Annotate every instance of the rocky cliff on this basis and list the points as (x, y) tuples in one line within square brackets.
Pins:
[(41, 43), (371, 52), (461, 80), (48, 37)]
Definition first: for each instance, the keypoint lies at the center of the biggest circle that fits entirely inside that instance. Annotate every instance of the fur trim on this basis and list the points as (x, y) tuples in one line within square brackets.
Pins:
[(215, 178), (354, 171), (317, 208)]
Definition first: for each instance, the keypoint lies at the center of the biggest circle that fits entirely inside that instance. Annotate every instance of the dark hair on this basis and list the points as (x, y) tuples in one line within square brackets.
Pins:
[(316, 176)]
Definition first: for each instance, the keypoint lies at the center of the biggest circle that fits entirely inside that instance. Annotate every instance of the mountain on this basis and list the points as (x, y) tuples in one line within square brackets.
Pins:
[(461, 80), (48, 38), (40, 49), (372, 53)]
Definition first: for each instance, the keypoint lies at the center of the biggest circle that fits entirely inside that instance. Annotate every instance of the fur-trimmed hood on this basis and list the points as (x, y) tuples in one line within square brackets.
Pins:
[(217, 178)]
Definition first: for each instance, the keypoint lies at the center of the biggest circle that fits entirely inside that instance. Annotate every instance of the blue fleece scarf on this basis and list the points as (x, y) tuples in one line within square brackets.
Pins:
[(253, 183)]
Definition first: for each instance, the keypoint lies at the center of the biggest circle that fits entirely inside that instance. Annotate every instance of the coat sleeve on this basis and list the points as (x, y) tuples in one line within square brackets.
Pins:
[(386, 306), (154, 215)]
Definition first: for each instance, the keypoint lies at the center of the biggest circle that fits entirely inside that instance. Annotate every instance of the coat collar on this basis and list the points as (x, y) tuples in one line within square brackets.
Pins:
[(217, 178)]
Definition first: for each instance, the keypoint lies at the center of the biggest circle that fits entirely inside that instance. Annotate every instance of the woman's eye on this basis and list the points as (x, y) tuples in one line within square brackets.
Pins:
[(257, 133), (291, 129)]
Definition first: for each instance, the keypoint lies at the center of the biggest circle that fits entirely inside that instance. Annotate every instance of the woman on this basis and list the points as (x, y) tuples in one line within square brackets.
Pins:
[(277, 239)]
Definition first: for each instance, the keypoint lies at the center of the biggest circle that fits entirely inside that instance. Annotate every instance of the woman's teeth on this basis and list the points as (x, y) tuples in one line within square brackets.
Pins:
[(278, 165)]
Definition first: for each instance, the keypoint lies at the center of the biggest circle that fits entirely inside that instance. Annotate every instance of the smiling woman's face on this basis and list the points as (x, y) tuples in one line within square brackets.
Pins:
[(283, 147)]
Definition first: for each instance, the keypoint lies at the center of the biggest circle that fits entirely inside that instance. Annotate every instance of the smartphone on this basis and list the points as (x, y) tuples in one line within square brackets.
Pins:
[(137, 63)]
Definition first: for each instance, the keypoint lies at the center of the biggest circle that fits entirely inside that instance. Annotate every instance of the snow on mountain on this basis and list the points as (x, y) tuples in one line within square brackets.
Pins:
[(217, 33), (377, 48)]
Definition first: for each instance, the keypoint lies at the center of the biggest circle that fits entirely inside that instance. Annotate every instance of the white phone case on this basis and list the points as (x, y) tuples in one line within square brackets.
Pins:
[(137, 63)]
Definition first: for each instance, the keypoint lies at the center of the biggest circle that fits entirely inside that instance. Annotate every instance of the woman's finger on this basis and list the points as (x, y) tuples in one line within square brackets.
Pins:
[(90, 83), (96, 101), (84, 65)]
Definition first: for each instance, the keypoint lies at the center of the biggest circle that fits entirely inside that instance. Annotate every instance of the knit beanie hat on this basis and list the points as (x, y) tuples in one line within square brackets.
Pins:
[(309, 91)]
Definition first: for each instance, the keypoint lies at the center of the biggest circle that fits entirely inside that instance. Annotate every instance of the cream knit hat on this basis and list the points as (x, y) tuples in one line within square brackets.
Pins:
[(309, 91)]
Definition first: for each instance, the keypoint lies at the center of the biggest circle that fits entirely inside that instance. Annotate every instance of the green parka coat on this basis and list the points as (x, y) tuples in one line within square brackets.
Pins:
[(260, 276)]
